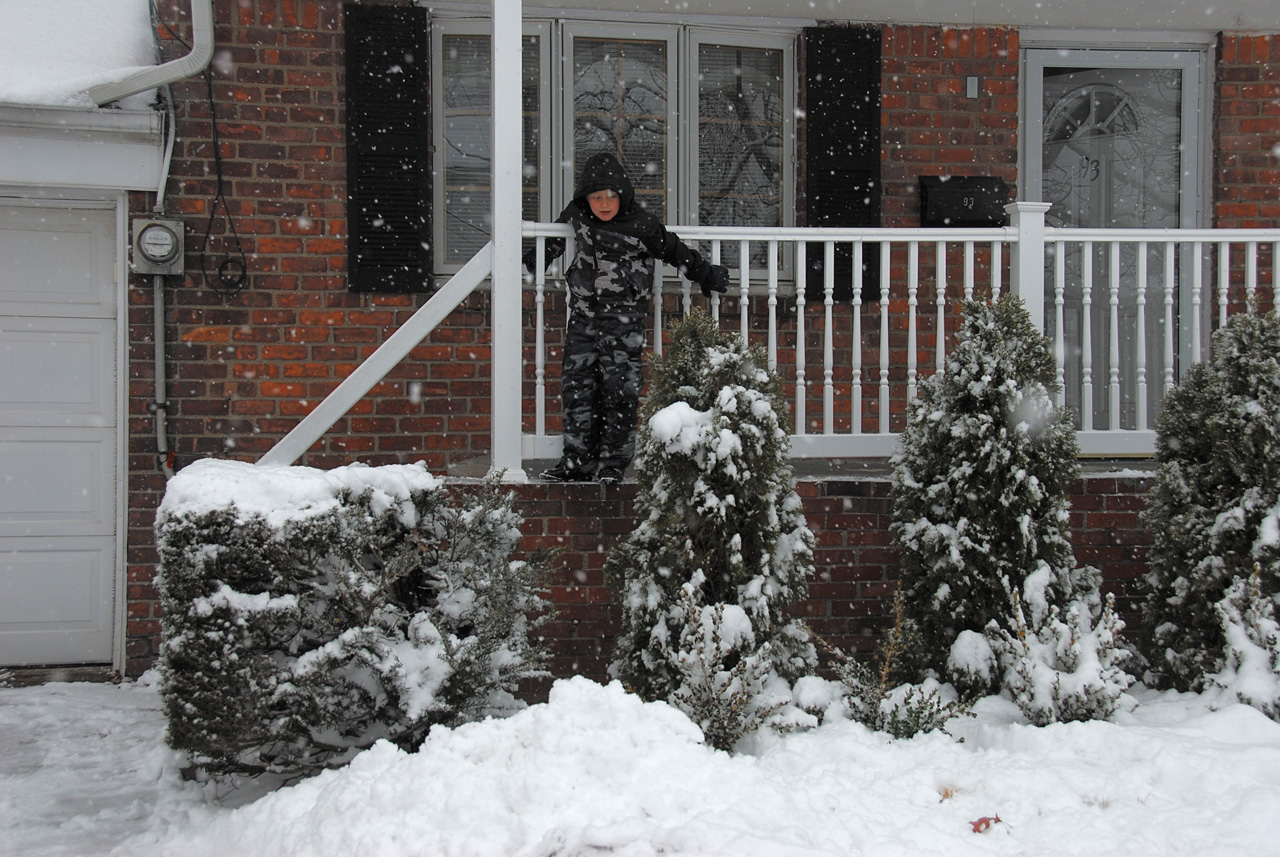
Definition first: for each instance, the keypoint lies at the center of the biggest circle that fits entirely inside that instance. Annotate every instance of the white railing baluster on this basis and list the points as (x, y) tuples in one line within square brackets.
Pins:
[(539, 336), (940, 251), (969, 276), (828, 338), (1113, 358), (1197, 300), (997, 264), (1059, 320), (885, 270), (1170, 271), (1086, 336), (772, 342), (855, 407), (1251, 271), (913, 284), (715, 296), (744, 289), (802, 263), (1224, 280), (1140, 351)]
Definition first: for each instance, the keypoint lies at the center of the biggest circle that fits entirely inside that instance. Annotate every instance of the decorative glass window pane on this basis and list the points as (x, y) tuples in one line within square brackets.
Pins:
[(620, 107), (739, 136), (466, 162)]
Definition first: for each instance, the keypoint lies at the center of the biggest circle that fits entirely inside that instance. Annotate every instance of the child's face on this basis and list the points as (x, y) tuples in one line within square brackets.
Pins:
[(604, 204)]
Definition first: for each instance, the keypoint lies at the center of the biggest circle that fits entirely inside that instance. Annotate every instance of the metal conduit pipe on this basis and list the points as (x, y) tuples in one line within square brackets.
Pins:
[(160, 77)]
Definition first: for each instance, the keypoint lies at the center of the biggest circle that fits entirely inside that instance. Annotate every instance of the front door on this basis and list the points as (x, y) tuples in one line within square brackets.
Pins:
[(1117, 135), (58, 432)]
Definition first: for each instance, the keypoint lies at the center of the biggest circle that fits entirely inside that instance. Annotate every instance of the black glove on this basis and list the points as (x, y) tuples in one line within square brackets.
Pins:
[(716, 280)]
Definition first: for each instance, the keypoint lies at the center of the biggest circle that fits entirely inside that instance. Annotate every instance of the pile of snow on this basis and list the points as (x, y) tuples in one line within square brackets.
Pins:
[(52, 53), (83, 771)]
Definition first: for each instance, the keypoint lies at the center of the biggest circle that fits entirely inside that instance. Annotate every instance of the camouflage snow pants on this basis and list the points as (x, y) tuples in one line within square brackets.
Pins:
[(600, 389)]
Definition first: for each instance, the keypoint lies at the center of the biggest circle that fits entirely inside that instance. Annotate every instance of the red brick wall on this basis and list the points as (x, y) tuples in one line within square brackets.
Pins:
[(1247, 146), (850, 596), (928, 125), (1247, 168)]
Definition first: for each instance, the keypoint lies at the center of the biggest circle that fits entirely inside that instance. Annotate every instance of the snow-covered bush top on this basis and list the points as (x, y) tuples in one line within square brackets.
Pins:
[(278, 494)]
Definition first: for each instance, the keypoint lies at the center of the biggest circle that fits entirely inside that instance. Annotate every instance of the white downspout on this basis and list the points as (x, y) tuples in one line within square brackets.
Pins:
[(154, 77)]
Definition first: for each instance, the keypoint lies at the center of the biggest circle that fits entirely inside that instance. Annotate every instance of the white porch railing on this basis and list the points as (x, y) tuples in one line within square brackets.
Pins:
[(1126, 311), (1140, 299)]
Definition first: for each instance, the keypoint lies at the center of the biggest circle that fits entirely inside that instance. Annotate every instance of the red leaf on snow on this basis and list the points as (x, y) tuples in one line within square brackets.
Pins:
[(983, 824)]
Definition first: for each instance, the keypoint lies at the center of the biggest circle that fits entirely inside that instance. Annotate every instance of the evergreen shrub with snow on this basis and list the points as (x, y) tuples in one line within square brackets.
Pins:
[(1214, 508), (308, 614), (721, 548), (881, 695), (980, 517)]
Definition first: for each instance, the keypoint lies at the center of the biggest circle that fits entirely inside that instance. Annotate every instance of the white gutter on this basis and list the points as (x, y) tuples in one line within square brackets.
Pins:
[(153, 77)]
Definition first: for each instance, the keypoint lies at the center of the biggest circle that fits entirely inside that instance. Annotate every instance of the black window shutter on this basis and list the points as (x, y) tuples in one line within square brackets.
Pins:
[(842, 149), (388, 149)]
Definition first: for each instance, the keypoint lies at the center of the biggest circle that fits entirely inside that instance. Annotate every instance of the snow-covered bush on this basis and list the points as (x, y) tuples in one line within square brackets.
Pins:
[(1251, 673), (980, 515), (310, 613), (1060, 665), (875, 693), (725, 676), (1212, 507), (719, 524)]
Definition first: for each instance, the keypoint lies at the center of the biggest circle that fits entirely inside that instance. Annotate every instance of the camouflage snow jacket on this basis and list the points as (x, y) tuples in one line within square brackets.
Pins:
[(614, 262)]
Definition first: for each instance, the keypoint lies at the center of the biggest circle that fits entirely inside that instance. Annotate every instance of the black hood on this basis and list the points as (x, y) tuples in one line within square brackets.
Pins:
[(603, 172)]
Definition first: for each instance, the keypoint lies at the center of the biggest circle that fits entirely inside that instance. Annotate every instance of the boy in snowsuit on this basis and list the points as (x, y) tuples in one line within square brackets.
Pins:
[(610, 284)]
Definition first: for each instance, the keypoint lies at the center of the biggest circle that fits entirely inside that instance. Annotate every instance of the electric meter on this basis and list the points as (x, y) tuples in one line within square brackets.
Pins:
[(157, 246)]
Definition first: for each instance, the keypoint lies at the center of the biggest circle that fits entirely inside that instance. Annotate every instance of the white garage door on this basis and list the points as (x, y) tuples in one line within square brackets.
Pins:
[(57, 433)]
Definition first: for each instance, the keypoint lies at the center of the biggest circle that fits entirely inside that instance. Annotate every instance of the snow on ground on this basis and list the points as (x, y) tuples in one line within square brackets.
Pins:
[(84, 771)]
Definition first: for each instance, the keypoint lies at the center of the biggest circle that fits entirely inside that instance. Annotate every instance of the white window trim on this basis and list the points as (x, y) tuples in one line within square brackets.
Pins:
[(556, 156), (693, 40), (571, 30)]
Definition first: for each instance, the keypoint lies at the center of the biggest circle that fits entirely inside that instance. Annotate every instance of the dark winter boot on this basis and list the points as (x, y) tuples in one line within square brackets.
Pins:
[(565, 472)]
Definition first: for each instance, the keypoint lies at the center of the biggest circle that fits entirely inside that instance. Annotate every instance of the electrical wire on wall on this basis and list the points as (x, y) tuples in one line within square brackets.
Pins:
[(233, 269)]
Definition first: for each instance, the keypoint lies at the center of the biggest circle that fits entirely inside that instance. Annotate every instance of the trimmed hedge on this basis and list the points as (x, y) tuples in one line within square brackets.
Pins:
[(308, 614)]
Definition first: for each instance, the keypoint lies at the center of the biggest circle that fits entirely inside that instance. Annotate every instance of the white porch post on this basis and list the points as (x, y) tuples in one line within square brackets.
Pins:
[(508, 134), (1026, 264)]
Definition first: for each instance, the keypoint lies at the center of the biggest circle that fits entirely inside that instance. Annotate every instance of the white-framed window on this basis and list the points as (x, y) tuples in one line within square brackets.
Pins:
[(702, 118)]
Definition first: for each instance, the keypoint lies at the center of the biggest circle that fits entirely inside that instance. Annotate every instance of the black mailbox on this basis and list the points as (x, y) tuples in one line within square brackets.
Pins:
[(963, 201)]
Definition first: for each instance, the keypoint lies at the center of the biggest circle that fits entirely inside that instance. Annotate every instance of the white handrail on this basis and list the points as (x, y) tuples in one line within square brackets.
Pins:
[(378, 364)]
